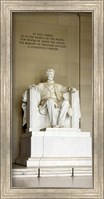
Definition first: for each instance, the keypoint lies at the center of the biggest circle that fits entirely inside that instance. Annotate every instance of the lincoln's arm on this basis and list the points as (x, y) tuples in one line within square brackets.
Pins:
[(67, 89), (64, 89)]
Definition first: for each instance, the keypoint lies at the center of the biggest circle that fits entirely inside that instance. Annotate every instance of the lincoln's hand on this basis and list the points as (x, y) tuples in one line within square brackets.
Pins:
[(72, 90), (33, 86), (56, 105)]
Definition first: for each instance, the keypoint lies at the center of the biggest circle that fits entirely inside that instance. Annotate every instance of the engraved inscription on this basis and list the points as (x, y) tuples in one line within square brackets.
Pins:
[(42, 41)]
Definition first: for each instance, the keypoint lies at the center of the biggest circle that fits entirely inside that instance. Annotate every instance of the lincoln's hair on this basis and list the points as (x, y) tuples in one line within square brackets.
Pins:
[(50, 71)]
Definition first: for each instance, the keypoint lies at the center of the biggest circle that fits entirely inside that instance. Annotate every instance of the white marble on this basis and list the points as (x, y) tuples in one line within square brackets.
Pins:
[(50, 104), (57, 147), (37, 145), (76, 109), (21, 171)]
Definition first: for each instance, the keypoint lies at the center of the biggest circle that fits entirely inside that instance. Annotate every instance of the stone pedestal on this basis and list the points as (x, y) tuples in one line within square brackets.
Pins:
[(58, 148)]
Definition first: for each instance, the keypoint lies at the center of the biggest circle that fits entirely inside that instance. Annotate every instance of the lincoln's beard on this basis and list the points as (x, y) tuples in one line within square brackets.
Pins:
[(50, 81)]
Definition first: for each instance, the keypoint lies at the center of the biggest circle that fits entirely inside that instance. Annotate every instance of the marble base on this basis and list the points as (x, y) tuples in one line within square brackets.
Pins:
[(55, 162), (20, 171), (56, 148)]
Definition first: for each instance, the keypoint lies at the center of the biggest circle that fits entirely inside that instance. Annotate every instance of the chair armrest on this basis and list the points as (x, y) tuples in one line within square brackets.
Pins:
[(32, 108), (76, 109)]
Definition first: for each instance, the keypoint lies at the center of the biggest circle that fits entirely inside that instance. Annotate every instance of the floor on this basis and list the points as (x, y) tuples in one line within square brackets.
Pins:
[(24, 177), (52, 182)]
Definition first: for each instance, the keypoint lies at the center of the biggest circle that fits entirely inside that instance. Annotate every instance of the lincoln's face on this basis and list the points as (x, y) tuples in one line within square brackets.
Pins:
[(50, 75)]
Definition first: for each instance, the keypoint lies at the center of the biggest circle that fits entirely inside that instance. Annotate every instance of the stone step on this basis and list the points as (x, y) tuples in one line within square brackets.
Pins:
[(20, 171)]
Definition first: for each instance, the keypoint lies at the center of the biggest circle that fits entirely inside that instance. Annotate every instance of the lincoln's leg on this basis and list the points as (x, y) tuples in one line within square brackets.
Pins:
[(51, 108), (63, 112)]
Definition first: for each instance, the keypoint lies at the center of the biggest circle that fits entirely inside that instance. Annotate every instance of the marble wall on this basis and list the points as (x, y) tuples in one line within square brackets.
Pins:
[(72, 60)]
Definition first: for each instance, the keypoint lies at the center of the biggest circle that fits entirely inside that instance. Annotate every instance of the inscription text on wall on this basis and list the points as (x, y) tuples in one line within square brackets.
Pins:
[(42, 41)]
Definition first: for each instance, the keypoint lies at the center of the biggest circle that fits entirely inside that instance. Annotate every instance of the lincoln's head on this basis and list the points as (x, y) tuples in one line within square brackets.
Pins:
[(50, 74)]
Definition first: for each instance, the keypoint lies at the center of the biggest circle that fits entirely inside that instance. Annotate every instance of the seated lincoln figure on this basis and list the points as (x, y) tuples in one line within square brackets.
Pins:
[(49, 98)]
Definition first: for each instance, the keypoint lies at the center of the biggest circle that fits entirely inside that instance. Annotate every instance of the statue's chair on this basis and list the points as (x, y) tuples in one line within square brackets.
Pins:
[(37, 118)]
